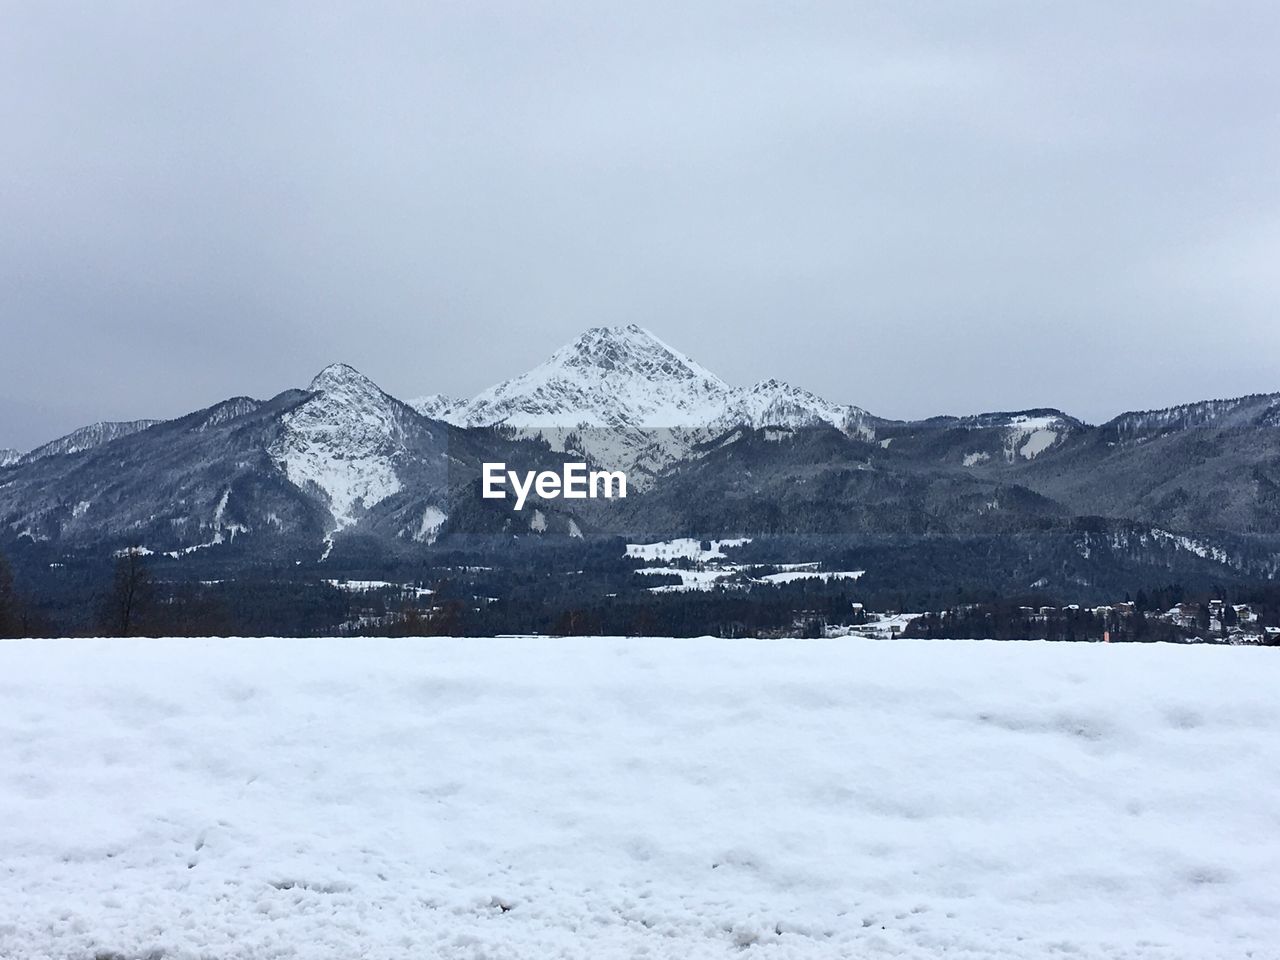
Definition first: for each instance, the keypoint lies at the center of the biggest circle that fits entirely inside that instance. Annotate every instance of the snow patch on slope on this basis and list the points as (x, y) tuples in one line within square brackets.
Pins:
[(1030, 436), (433, 518), (223, 532)]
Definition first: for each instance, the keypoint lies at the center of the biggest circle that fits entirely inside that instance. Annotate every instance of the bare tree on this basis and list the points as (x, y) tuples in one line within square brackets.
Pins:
[(131, 590), (10, 615)]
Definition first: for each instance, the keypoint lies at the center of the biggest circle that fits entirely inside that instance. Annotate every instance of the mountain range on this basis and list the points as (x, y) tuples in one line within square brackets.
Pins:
[(342, 463)]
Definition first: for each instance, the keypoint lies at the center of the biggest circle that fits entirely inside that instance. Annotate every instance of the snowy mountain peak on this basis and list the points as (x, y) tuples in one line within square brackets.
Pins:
[(344, 441), (642, 402), (9, 456), (630, 350), (341, 377), (613, 377), (437, 406), (629, 400)]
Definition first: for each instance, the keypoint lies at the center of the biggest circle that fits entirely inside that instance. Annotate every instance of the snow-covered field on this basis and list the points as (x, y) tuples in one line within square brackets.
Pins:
[(604, 798), (683, 548)]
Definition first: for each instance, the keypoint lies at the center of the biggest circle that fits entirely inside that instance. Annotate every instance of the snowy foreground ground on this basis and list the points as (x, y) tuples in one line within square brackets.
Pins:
[(604, 798)]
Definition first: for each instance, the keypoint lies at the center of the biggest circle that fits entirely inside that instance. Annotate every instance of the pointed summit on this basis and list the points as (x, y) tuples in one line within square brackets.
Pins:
[(343, 441), (340, 376), (607, 377), (631, 350), (642, 403), (626, 378)]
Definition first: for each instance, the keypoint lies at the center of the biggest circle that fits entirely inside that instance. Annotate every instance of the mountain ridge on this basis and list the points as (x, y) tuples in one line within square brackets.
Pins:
[(87, 437), (342, 459), (769, 402)]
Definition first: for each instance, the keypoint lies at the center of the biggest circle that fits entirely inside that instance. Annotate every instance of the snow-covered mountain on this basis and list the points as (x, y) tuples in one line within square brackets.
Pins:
[(293, 469), (624, 397), (437, 406), (282, 476), (353, 443), (343, 442), (614, 377), (773, 403), (8, 456)]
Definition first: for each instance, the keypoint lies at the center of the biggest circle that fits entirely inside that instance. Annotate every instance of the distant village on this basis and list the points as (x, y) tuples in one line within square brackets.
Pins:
[(1215, 621)]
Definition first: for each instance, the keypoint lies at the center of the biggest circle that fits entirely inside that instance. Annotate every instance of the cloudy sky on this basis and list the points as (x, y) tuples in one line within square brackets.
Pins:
[(918, 208)]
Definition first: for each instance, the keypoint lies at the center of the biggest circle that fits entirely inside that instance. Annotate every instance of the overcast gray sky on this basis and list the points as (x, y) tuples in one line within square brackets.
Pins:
[(918, 208)]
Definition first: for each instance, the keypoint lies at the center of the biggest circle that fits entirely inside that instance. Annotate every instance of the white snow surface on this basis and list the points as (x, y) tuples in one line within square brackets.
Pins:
[(605, 798), (687, 548), (690, 580), (790, 576)]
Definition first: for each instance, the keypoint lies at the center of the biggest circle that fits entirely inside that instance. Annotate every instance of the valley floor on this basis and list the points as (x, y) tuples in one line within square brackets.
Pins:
[(605, 798)]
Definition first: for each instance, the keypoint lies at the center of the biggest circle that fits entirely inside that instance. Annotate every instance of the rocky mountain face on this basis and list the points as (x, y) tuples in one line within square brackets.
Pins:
[(344, 463)]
